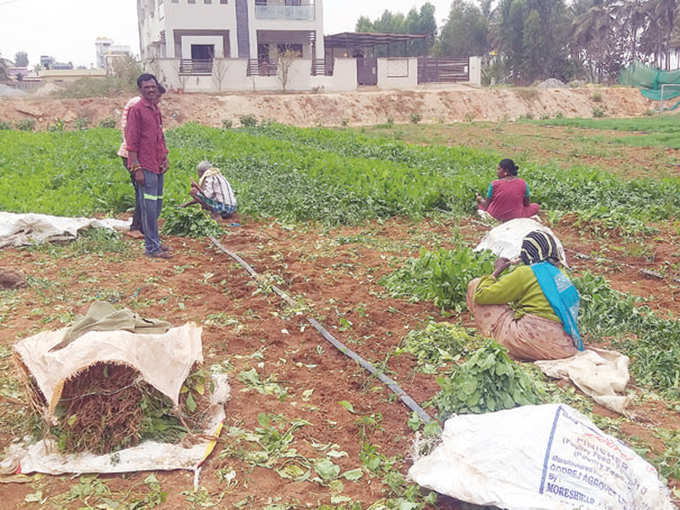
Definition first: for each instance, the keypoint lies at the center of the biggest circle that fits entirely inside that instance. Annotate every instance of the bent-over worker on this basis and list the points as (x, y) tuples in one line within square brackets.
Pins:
[(533, 310), (212, 192)]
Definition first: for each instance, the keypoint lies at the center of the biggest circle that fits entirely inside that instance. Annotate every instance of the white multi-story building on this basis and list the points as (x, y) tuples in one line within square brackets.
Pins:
[(250, 29), (102, 45), (219, 45), (239, 39)]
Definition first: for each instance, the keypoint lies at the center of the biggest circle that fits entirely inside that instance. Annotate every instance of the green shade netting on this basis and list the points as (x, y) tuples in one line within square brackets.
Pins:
[(650, 79)]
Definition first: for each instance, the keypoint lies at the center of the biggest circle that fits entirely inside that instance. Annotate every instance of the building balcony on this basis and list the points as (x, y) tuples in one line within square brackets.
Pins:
[(287, 12), (195, 67)]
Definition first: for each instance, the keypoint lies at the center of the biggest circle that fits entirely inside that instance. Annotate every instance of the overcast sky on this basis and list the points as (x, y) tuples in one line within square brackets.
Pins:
[(67, 29)]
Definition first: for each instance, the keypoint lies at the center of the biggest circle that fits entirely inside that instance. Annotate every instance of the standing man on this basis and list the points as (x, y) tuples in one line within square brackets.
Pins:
[(148, 161), (136, 226)]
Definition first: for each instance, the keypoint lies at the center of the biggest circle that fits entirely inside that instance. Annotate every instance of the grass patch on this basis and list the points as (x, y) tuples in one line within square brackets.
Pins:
[(658, 124)]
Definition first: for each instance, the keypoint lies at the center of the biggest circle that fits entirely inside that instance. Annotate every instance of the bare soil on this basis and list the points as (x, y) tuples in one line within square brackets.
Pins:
[(338, 283)]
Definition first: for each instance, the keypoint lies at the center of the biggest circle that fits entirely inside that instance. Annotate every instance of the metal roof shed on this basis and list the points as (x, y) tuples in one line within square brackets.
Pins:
[(352, 44)]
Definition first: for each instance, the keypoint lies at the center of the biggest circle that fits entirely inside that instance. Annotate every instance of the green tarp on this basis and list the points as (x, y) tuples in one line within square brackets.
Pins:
[(650, 80)]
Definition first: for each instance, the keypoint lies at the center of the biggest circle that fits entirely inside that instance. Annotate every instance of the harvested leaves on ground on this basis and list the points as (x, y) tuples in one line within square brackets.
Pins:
[(441, 276), (438, 344), (488, 381), (108, 407)]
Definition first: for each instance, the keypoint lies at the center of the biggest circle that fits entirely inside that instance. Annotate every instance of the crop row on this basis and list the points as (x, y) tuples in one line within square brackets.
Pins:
[(652, 342), (580, 189), (335, 177), (78, 173)]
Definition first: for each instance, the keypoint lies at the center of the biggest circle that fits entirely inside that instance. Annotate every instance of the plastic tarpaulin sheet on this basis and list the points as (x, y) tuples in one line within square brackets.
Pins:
[(163, 360), (44, 457), (547, 457), (505, 240), (23, 229)]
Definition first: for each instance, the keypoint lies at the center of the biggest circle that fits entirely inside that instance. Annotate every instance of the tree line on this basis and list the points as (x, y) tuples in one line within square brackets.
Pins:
[(523, 41)]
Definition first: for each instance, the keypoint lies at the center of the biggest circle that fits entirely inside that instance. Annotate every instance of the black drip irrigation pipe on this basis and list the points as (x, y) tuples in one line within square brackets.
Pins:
[(389, 382)]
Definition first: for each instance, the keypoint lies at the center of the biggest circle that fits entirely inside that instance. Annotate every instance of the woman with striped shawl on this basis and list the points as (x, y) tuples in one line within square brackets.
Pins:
[(533, 310)]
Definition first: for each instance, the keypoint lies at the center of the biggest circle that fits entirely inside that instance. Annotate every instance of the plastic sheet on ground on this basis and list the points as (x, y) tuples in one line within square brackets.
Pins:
[(505, 240), (600, 374), (23, 229), (164, 361), (44, 457), (547, 457)]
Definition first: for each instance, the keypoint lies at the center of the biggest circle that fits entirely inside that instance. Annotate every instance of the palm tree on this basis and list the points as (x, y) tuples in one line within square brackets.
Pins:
[(666, 12), (591, 33)]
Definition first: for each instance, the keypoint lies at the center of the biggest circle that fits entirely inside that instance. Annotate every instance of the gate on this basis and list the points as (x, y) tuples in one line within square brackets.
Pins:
[(367, 70), (437, 70)]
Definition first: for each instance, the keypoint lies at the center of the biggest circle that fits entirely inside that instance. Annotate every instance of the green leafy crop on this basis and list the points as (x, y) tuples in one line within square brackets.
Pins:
[(333, 177), (655, 347), (441, 276), (189, 223), (488, 381)]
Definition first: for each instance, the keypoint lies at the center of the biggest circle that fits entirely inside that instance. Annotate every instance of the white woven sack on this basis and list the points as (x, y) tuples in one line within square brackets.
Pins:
[(505, 240), (547, 457)]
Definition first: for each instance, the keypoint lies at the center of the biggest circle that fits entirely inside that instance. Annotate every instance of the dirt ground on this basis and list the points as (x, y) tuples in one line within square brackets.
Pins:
[(365, 107), (337, 282), (334, 278)]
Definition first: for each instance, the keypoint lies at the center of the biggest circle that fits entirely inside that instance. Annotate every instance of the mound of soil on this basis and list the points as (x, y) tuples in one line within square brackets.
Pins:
[(453, 103)]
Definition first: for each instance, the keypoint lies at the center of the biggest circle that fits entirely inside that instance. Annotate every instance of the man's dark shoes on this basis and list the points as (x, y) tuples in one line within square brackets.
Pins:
[(134, 234), (160, 254)]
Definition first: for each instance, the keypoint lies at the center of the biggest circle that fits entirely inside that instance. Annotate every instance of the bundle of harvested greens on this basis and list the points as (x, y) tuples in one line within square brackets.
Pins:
[(108, 407)]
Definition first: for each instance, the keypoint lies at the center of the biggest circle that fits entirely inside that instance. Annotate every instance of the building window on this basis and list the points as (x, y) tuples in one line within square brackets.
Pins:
[(207, 1), (175, 1), (202, 51), (224, 1), (192, 1), (263, 52)]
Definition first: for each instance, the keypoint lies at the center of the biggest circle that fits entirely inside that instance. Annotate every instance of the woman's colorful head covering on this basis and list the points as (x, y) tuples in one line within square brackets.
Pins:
[(538, 246)]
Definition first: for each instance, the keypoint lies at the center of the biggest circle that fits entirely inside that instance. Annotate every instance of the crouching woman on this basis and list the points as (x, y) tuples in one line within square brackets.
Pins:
[(532, 311)]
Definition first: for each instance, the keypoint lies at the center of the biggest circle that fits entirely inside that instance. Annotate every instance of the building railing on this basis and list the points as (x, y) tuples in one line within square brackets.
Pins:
[(261, 68), (25, 84), (322, 67), (294, 12), (196, 67)]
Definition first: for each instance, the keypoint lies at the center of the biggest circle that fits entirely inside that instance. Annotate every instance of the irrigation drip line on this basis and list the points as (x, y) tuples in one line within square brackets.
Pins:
[(389, 382)]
